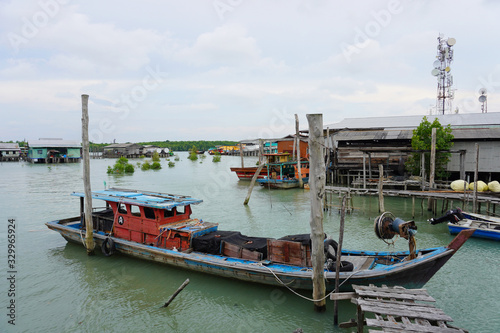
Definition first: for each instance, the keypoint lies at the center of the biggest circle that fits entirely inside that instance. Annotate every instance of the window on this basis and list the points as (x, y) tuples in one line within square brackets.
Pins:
[(169, 213), (149, 213), (181, 210), (122, 208), (135, 210), (39, 152)]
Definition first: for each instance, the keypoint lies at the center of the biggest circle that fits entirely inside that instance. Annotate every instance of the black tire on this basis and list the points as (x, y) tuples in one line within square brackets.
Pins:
[(345, 266), (108, 247), (328, 244)]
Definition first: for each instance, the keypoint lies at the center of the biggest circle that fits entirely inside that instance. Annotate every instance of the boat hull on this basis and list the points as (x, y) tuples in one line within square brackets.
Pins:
[(281, 183), (247, 173), (478, 232), (484, 226), (411, 274)]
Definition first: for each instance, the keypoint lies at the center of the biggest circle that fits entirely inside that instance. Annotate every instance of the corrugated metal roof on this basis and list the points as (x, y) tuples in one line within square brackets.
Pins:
[(371, 135), (348, 135), (9, 146), (122, 145), (54, 143), (491, 119), (142, 198)]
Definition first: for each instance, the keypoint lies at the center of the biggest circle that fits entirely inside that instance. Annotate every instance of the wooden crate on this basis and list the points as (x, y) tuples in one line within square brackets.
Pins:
[(288, 252)]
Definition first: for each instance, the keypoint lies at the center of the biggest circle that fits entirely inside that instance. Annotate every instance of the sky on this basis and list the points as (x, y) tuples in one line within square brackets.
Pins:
[(159, 70)]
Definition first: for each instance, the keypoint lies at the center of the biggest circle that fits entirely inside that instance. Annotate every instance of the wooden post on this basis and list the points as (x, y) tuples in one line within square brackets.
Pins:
[(430, 202), (476, 171), (339, 258), (89, 237), (422, 169), (183, 285), (462, 164), (380, 186), (301, 184), (327, 151), (241, 155), (317, 186), (256, 174), (364, 170)]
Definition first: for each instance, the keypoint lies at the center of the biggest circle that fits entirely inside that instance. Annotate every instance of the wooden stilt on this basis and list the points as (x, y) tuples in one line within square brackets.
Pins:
[(317, 174), (89, 237)]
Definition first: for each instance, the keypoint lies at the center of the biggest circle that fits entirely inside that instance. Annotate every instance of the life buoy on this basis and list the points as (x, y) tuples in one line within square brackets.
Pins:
[(330, 249), (108, 246)]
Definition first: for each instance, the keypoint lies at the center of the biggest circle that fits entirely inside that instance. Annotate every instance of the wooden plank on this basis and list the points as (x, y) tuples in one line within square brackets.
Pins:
[(409, 327), (342, 296), (415, 311), (394, 292)]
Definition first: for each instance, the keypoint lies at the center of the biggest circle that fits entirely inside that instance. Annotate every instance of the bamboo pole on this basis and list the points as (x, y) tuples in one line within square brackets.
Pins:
[(430, 202), (89, 237), (317, 185), (476, 172), (339, 258), (327, 151), (380, 187), (256, 174), (241, 155), (301, 184), (183, 285)]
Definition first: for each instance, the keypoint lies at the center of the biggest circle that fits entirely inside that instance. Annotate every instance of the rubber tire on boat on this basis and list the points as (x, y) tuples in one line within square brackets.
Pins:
[(108, 247), (345, 266), (328, 252)]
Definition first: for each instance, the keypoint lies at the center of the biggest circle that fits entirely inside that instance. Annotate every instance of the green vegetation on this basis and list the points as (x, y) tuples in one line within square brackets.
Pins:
[(156, 166), (156, 157), (121, 167), (187, 145), (145, 166), (193, 156), (216, 157), (421, 140), (171, 164)]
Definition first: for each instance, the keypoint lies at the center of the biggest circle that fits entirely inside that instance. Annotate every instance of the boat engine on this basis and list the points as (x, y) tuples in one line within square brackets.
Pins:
[(387, 226), (452, 216)]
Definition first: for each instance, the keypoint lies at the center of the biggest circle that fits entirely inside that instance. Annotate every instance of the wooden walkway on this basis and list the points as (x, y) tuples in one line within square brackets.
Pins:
[(490, 199), (396, 310)]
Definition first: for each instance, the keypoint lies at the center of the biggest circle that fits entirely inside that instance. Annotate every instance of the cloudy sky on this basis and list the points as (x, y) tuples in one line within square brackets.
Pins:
[(233, 69)]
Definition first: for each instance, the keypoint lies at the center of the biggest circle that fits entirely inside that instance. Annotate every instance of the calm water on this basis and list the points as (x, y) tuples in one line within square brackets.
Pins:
[(58, 288)]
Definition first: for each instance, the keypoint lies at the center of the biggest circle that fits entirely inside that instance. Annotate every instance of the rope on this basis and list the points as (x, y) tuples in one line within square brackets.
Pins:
[(302, 296)]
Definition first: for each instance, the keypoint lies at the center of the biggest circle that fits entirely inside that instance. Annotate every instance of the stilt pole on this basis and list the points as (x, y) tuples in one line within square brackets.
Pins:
[(317, 174), (89, 238)]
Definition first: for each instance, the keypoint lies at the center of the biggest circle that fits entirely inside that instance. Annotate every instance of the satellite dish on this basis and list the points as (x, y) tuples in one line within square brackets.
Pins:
[(482, 98), (482, 91), (435, 72), (437, 64), (451, 41)]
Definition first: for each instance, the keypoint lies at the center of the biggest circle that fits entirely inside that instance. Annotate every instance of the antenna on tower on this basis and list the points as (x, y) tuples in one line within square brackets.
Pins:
[(483, 100), (441, 71)]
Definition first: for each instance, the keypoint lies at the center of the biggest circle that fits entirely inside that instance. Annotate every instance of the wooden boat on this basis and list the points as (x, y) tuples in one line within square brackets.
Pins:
[(484, 226), (158, 227), (246, 173), (285, 175)]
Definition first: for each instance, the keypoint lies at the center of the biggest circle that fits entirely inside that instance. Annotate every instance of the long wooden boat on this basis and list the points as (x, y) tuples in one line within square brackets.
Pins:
[(158, 227), (246, 173), (285, 175), (484, 226)]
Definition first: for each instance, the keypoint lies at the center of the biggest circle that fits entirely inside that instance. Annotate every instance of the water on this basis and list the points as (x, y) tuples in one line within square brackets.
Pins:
[(58, 288)]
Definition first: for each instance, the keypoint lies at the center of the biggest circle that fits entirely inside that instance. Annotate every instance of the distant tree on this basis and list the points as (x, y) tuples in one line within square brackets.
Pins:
[(422, 140)]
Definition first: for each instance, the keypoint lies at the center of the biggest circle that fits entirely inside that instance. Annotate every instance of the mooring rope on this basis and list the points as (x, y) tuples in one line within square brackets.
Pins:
[(302, 296)]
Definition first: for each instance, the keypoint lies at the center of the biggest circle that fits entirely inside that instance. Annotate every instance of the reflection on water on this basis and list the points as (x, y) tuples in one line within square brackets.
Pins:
[(61, 289)]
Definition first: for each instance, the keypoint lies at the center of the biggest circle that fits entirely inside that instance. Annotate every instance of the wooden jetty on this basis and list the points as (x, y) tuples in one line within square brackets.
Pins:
[(396, 310), (448, 197)]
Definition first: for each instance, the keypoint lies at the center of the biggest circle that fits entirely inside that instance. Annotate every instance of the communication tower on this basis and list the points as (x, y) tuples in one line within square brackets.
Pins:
[(483, 100), (442, 70)]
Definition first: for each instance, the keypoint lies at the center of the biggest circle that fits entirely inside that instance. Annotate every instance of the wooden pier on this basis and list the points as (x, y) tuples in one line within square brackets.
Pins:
[(450, 198), (396, 310)]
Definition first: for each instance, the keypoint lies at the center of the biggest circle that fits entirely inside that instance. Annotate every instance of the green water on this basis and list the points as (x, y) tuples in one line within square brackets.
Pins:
[(58, 288)]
